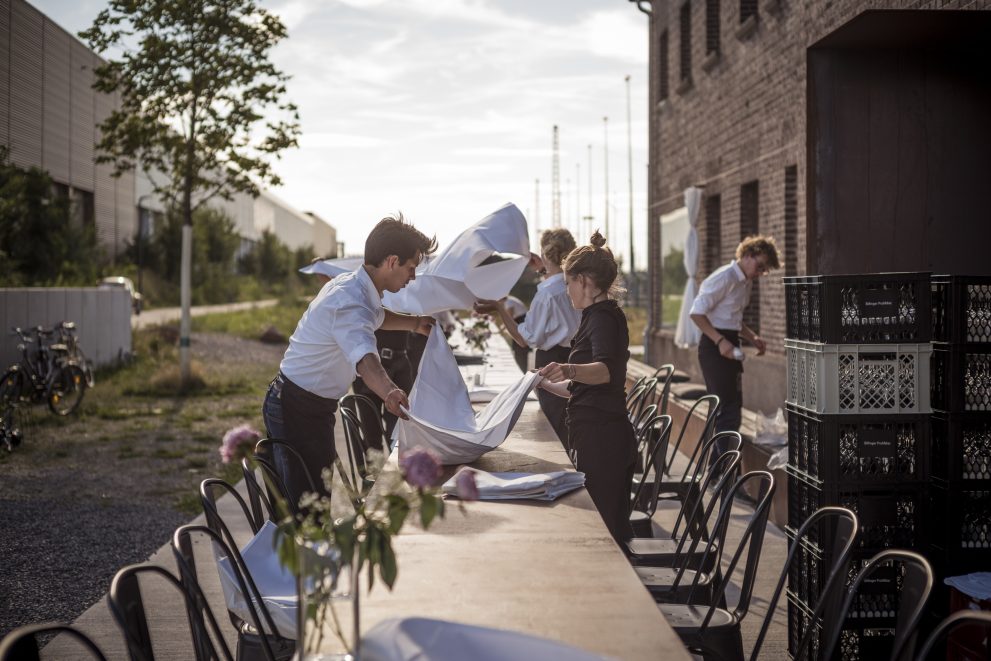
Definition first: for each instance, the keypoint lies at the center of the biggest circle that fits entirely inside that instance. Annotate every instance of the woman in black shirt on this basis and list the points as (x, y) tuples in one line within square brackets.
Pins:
[(594, 381)]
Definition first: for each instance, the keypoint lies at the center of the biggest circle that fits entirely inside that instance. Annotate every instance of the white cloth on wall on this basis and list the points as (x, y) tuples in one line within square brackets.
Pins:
[(687, 333), (441, 416), (484, 262)]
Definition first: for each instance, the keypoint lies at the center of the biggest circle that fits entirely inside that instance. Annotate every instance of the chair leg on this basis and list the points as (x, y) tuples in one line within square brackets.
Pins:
[(723, 644)]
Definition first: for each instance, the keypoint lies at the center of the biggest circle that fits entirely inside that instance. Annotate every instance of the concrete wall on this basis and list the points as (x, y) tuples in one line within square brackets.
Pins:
[(102, 316)]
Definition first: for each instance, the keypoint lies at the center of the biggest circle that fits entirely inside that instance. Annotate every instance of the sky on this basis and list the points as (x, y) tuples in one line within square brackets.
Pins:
[(443, 110)]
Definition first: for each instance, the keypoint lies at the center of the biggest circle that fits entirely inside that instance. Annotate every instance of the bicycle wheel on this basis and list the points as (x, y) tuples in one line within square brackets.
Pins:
[(10, 395), (66, 390)]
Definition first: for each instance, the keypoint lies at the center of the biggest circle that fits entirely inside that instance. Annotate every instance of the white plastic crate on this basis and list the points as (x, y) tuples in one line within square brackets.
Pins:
[(858, 378)]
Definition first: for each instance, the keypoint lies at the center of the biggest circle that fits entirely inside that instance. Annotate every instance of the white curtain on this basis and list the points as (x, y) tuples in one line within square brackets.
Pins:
[(687, 333)]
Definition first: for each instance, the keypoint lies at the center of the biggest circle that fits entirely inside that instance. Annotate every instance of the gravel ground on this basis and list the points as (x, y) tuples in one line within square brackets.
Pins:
[(84, 496)]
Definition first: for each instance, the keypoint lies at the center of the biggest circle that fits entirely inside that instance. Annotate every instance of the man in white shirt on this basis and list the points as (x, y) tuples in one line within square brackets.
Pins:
[(718, 312), (334, 340)]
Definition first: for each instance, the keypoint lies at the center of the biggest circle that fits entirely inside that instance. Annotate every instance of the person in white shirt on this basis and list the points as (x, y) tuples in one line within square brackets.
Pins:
[(718, 312), (334, 340), (550, 323)]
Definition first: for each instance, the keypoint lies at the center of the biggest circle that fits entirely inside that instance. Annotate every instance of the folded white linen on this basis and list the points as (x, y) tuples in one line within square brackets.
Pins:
[(976, 585), (275, 583), (517, 486), (441, 417), (425, 639)]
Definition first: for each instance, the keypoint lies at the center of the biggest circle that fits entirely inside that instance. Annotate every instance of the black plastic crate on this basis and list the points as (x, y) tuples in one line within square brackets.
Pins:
[(859, 640), (962, 526), (961, 449), (891, 517), (876, 601), (859, 309), (961, 309), (960, 378), (858, 449)]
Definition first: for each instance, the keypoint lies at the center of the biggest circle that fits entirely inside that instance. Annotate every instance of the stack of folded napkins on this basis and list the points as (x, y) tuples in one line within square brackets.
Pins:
[(515, 486)]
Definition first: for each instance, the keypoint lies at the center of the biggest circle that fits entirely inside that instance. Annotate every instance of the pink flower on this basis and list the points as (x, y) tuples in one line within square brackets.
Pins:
[(467, 489), (238, 442), (420, 467)]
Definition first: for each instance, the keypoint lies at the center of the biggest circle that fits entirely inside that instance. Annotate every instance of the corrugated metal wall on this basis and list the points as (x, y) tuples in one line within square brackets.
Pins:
[(49, 112)]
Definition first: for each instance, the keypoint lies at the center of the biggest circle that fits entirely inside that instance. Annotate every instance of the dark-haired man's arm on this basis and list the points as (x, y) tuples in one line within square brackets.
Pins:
[(407, 322), (374, 375)]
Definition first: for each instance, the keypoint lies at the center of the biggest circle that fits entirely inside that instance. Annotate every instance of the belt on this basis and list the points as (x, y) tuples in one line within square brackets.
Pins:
[(389, 354)]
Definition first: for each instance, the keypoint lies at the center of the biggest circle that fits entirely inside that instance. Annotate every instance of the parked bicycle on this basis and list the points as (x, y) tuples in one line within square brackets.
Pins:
[(48, 374)]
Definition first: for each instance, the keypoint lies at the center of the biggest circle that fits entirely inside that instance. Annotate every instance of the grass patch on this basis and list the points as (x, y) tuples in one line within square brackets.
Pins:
[(129, 452), (196, 462), (189, 503), (252, 323), (164, 453)]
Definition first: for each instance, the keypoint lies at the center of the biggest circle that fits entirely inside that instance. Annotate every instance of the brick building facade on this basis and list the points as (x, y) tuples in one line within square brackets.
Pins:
[(730, 108)]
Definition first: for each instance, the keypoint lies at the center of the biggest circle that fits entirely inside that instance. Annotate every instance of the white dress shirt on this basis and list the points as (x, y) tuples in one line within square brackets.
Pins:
[(336, 331), (722, 297), (552, 320)]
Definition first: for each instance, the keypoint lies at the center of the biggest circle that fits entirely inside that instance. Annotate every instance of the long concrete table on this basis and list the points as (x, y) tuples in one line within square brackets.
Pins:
[(547, 569)]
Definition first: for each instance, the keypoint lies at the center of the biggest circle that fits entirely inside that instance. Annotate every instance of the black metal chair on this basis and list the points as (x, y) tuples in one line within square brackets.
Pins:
[(955, 621), (21, 644), (646, 398), (256, 639), (258, 497), (843, 526), (712, 408), (916, 584), (128, 610), (355, 473), (665, 380), (670, 552), (635, 388), (370, 422), (711, 630), (654, 438), (276, 458), (253, 642)]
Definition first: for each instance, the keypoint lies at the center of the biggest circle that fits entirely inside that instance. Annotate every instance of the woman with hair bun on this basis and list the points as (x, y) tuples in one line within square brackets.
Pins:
[(594, 382), (550, 323)]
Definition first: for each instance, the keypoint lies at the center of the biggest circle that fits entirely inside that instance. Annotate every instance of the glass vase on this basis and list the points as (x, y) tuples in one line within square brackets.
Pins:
[(328, 615)]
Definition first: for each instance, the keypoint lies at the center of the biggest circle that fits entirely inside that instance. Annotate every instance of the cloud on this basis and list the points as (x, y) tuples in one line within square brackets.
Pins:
[(338, 141)]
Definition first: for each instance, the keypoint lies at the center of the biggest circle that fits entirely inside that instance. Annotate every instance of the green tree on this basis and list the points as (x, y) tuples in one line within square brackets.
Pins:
[(673, 276), (195, 82), (39, 242)]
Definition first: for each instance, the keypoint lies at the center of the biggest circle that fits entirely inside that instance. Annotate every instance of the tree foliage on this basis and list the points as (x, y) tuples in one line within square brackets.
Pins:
[(673, 276), (39, 242), (200, 100)]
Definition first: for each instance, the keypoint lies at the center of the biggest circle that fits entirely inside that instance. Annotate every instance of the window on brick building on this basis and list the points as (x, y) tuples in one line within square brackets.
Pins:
[(663, 68), (686, 42), (712, 253), (748, 9), (712, 46), (791, 220), (750, 225)]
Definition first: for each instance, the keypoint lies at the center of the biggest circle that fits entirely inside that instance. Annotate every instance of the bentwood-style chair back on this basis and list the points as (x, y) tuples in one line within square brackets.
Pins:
[(21, 644), (280, 461), (916, 584), (128, 610), (843, 527), (958, 620), (704, 468), (370, 422), (664, 376)]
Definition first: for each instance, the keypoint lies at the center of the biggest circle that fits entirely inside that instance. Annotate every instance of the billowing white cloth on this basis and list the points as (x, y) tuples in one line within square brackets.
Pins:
[(517, 486), (333, 267), (456, 277), (441, 417), (275, 583), (687, 333), (423, 639)]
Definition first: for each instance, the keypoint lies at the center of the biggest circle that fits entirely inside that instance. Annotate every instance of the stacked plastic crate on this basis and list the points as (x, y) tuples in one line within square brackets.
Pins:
[(960, 460), (858, 351)]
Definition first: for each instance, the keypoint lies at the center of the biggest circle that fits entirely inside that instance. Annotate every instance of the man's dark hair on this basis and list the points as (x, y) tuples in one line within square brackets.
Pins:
[(394, 236)]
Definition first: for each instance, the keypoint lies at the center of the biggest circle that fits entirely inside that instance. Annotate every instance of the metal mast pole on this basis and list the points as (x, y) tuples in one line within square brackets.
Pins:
[(605, 161), (590, 218), (629, 157), (578, 203), (555, 183)]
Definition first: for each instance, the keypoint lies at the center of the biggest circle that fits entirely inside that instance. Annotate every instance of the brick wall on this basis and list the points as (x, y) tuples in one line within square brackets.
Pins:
[(742, 118)]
